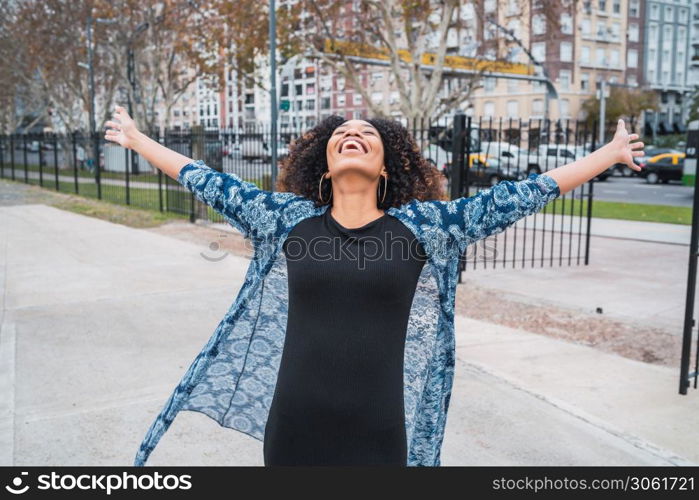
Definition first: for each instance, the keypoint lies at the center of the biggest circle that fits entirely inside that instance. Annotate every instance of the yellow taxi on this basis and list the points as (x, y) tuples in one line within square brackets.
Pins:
[(664, 167)]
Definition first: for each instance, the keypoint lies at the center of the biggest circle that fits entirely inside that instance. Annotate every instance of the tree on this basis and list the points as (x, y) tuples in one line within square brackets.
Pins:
[(622, 102)]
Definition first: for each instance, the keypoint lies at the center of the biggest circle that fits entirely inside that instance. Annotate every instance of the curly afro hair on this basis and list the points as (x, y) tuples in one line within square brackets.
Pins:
[(410, 175)]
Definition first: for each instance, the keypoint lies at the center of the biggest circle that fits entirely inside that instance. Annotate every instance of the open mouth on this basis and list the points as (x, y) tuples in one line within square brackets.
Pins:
[(351, 144)]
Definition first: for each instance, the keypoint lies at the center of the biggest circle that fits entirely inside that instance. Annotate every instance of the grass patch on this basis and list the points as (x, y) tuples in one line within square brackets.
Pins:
[(144, 211), (626, 211)]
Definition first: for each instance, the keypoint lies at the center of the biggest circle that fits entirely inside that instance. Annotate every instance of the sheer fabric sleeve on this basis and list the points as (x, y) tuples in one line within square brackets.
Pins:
[(492, 210), (243, 204)]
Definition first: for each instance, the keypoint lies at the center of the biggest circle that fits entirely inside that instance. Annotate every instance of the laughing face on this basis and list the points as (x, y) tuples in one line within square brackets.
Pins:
[(355, 146)]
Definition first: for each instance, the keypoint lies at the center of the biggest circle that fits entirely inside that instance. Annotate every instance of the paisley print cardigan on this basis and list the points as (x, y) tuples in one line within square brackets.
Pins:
[(232, 379)]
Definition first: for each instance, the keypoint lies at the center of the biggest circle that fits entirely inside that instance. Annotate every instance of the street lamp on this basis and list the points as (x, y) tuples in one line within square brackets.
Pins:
[(91, 73), (131, 72)]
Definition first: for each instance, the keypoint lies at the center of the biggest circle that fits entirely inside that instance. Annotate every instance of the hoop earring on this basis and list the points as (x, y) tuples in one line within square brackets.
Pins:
[(320, 196), (385, 188)]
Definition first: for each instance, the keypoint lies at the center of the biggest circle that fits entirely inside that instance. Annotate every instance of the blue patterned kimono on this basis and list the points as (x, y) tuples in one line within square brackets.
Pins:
[(233, 378)]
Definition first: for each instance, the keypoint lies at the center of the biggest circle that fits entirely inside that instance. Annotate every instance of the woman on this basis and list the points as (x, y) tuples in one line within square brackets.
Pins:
[(339, 348)]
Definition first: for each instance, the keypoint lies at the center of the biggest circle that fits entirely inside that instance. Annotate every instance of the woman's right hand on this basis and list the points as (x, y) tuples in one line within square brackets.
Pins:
[(123, 131)]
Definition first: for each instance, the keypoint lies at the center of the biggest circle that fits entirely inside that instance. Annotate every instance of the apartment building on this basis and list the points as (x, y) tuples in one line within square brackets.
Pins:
[(667, 62)]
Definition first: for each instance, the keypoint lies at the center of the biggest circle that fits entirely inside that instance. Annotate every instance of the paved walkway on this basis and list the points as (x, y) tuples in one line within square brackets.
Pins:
[(99, 322)]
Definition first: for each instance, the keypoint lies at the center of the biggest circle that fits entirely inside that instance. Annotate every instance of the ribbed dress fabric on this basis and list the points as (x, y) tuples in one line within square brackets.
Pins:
[(338, 399)]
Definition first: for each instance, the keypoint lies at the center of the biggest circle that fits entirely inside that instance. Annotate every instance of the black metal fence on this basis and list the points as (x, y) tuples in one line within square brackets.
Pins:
[(510, 150), (495, 150)]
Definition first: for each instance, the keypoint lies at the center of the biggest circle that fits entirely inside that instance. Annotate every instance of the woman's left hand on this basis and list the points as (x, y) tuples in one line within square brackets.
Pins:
[(626, 150)]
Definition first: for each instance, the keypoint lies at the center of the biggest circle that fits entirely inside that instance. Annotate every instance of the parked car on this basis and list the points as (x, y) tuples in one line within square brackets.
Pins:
[(556, 155), (487, 170), (663, 168)]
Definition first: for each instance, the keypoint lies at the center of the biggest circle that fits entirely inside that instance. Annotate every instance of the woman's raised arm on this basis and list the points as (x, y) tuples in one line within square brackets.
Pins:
[(492, 210), (244, 205)]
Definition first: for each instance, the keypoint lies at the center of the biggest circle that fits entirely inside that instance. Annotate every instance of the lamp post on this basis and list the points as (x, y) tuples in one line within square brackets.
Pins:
[(131, 75), (91, 76), (273, 88)]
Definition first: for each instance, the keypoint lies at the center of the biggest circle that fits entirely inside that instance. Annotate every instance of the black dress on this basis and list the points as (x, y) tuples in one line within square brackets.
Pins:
[(339, 393)]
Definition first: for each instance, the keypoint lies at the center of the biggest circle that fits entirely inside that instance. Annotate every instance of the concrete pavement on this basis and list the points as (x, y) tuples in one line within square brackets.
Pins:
[(100, 321)]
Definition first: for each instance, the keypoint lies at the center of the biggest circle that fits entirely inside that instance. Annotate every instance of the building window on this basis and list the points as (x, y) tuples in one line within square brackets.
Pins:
[(585, 54), (633, 32), (584, 81), (632, 58), (325, 103), (489, 108), (341, 100), (586, 27), (616, 7), (600, 60), (566, 24), (683, 15), (631, 80), (512, 8), (601, 30), (489, 83), (634, 8), (539, 51), (538, 107), (668, 13), (566, 51), (653, 33), (357, 101), (512, 108), (602, 5), (564, 106), (614, 58), (616, 28), (655, 12), (376, 97), (564, 79), (538, 24)]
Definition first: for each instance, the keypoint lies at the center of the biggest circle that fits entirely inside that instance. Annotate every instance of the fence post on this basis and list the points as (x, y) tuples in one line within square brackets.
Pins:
[(55, 158), (457, 155), (457, 163), (690, 163), (197, 152), (590, 191)]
